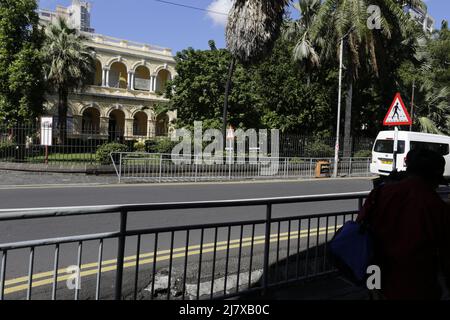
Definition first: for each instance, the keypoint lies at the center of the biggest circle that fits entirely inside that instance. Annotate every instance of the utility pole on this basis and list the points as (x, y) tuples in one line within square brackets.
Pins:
[(338, 127), (412, 105), (336, 149)]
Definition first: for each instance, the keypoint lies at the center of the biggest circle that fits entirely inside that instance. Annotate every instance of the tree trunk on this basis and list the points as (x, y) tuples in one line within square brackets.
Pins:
[(348, 119), (225, 104), (62, 115)]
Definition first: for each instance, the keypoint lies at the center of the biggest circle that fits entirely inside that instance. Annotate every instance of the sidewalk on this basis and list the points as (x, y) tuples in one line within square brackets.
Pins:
[(328, 288), (22, 178)]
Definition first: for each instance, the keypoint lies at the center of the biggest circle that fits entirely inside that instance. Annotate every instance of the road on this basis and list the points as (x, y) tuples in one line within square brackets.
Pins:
[(60, 196)]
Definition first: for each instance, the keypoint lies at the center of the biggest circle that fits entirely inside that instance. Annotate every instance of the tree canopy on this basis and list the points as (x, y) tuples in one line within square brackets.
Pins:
[(22, 85), (293, 87)]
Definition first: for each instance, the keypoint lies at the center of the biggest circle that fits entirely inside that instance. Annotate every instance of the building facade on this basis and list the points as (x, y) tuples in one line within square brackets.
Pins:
[(421, 16), (127, 86)]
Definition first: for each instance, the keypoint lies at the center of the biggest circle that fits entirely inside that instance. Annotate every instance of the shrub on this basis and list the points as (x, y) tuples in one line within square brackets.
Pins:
[(103, 152), (7, 148), (363, 154), (140, 145), (163, 146), (318, 149)]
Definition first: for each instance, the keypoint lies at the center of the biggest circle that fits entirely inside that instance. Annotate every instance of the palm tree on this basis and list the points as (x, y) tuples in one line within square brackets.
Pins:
[(300, 31), (253, 26), (69, 63), (338, 19), (433, 108)]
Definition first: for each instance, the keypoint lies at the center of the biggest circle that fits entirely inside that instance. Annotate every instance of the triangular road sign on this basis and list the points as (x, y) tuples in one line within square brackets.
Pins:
[(230, 133), (398, 114)]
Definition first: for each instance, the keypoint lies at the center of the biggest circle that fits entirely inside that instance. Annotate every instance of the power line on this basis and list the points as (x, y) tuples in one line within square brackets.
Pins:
[(191, 7)]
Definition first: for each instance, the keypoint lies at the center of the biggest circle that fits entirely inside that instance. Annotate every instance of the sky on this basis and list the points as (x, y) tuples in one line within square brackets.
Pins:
[(177, 27)]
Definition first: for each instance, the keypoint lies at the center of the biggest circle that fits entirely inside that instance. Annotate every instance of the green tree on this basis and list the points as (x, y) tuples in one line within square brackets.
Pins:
[(69, 64), (253, 27), (430, 74), (364, 47), (197, 92), (289, 103), (300, 31), (22, 85)]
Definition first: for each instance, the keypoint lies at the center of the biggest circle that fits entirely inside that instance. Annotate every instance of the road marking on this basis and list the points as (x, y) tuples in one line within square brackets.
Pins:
[(164, 255), (165, 184)]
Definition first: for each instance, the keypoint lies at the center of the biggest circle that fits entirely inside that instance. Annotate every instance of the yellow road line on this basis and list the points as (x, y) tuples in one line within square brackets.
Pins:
[(130, 258), (192, 250)]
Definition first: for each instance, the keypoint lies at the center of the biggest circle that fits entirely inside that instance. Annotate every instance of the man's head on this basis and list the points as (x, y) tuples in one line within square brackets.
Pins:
[(427, 165)]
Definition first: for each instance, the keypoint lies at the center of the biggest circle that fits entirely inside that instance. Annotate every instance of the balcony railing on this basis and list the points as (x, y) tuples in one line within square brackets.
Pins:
[(141, 84)]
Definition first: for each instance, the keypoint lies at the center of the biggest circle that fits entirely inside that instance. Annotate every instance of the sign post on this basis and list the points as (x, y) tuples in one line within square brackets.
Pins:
[(394, 162), (230, 149), (397, 116), (46, 134)]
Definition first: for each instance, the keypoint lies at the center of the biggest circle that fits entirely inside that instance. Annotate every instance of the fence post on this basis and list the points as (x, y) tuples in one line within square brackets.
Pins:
[(160, 167), (368, 166), (350, 167), (267, 247), (196, 168), (120, 254), (120, 167)]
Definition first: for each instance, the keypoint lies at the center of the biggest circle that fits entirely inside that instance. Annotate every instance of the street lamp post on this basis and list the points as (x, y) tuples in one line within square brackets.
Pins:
[(338, 127)]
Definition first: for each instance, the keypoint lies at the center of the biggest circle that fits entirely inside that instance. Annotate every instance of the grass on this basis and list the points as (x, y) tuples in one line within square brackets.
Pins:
[(61, 157)]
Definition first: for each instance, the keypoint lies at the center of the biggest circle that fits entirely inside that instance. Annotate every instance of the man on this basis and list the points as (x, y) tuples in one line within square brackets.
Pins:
[(411, 228)]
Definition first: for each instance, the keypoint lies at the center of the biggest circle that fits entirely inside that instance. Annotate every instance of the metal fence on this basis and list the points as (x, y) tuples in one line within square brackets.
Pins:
[(21, 144), (167, 168), (211, 261)]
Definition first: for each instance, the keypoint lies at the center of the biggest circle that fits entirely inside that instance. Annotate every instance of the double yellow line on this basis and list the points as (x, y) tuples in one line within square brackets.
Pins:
[(46, 278)]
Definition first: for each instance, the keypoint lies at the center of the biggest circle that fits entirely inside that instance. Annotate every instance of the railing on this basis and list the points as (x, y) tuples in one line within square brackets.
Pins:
[(99, 38), (214, 260), (164, 168), (142, 84)]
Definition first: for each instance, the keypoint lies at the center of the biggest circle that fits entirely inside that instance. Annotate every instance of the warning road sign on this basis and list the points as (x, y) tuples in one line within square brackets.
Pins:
[(230, 133), (398, 114)]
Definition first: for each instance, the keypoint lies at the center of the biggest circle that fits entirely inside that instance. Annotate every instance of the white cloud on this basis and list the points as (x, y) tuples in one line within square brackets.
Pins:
[(218, 11)]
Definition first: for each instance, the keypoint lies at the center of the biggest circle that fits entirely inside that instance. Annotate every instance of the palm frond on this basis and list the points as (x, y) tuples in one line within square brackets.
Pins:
[(253, 26), (428, 126)]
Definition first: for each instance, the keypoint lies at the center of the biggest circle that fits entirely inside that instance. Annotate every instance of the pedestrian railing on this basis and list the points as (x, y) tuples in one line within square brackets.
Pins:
[(133, 166), (211, 260)]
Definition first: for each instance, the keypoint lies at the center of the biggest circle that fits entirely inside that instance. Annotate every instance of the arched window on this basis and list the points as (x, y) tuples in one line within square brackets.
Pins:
[(140, 124), (161, 81), (98, 74), (91, 121), (116, 125), (142, 79), (162, 125), (118, 76)]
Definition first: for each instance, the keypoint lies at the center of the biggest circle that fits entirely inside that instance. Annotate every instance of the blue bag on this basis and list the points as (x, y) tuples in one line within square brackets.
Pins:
[(352, 248)]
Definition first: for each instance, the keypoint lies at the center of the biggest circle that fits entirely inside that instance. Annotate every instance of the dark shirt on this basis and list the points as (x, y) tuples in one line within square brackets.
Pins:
[(411, 226)]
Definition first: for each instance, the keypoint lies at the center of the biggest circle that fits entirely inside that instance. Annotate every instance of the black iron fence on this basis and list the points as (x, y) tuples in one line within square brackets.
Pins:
[(197, 261), (23, 144)]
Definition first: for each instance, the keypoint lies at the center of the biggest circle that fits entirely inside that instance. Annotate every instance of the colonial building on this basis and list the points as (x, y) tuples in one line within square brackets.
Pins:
[(421, 16), (129, 81)]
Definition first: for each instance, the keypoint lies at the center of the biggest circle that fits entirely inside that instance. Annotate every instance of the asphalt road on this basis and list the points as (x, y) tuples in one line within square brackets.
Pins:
[(39, 197)]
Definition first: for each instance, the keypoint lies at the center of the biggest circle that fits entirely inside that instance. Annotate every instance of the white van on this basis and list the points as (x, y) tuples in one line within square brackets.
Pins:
[(383, 149)]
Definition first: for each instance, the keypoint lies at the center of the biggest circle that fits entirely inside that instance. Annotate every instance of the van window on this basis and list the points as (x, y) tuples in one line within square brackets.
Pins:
[(441, 148), (387, 146)]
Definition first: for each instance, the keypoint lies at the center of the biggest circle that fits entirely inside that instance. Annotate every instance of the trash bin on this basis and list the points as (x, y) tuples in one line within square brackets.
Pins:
[(323, 169)]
